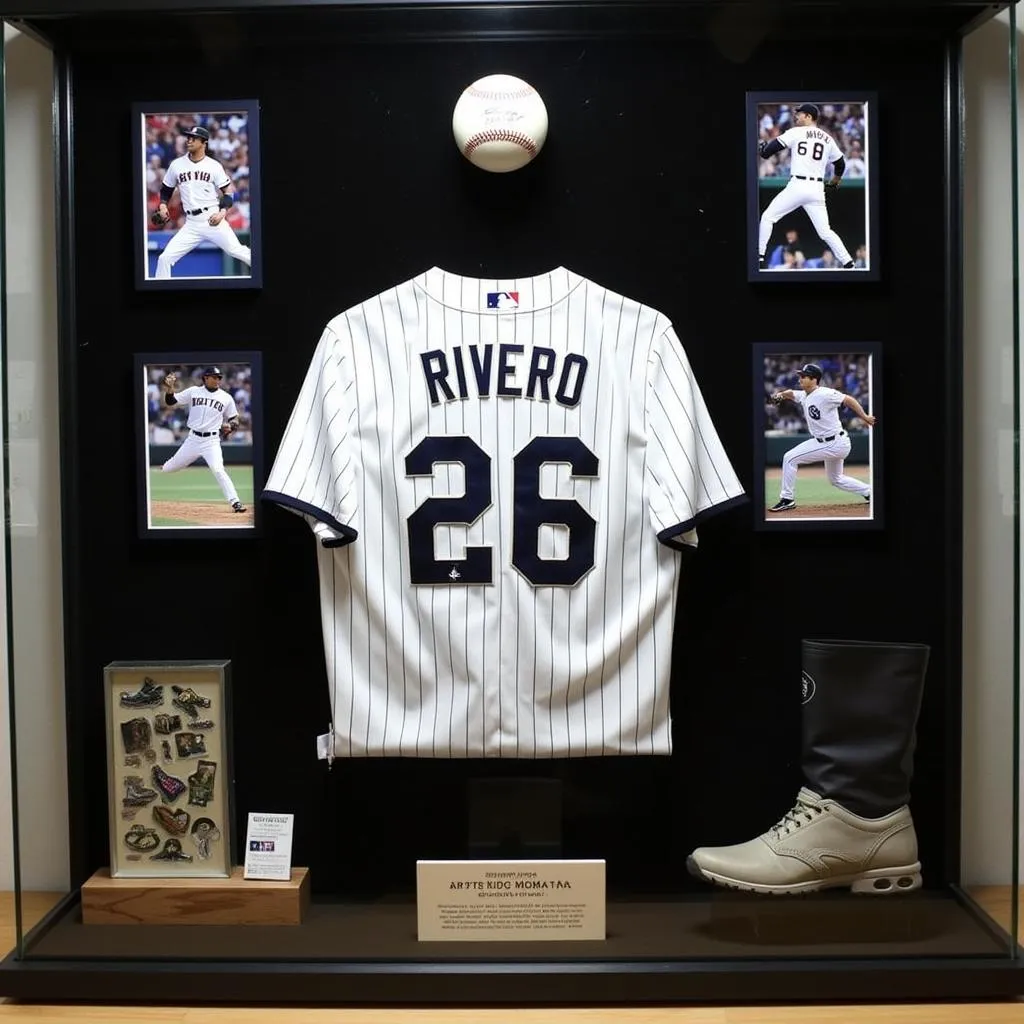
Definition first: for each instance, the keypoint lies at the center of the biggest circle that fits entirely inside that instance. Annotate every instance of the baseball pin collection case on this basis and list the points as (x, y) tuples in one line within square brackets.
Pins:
[(862, 657)]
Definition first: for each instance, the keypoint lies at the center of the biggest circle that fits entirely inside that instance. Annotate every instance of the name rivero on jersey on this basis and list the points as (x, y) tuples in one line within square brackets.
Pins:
[(450, 376)]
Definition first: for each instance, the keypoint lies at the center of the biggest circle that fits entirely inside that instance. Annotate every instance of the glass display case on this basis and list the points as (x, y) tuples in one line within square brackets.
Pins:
[(500, 402)]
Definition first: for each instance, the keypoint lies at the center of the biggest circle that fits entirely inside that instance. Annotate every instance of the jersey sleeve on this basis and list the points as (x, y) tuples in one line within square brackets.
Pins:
[(786, 138), (230, 409), (220, 176), (688, 472), (171, 177), (184, 398), (834, 152), (313, 474)]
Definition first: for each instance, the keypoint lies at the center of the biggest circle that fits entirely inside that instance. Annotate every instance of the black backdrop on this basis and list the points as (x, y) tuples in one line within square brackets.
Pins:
[(640, 187)]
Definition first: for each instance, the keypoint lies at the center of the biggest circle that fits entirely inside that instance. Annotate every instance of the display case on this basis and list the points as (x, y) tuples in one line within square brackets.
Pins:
[(686, 722)]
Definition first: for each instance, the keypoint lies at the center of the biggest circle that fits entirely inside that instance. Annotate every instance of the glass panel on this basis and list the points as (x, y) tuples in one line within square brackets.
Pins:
[(8, 863), (740, 671), (33, 528), (991, 388)]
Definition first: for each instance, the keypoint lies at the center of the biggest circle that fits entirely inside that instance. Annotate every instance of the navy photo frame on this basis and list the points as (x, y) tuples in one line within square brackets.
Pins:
[(794, 251), (189, 502), (158, 133), (821, 503)]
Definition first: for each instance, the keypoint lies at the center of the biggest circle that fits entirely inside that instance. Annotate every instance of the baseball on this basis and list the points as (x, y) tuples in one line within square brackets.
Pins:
[(500, 123)]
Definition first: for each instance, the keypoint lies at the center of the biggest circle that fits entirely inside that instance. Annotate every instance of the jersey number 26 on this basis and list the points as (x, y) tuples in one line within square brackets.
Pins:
[(529, 512)]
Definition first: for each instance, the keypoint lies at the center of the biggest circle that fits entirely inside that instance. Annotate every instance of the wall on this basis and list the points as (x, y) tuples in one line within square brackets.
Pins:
[(31, 365)]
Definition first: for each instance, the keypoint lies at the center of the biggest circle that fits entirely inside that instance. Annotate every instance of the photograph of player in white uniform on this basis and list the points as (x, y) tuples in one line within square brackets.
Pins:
[(198, 195), (818, 412), (199, 427), (500, 477), (812, 200)]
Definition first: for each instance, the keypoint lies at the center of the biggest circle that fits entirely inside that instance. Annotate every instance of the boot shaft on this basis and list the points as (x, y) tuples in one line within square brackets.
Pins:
[(860, 710)]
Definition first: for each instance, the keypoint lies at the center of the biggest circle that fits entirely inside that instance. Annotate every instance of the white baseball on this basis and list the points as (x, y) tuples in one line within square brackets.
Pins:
[(500, 123)]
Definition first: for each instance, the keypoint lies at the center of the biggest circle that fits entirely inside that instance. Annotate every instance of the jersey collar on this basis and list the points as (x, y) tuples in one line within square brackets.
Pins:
[(498, 295)]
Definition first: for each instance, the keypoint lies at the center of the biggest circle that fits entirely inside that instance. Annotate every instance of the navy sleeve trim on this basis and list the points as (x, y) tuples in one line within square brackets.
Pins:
[(347, 533), (670, 537)]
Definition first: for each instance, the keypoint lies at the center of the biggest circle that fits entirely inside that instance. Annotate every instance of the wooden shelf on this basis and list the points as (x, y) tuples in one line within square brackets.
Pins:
[(233, 900)]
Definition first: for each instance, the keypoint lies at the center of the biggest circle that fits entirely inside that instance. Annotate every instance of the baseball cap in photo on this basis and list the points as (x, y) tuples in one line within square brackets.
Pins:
[(199, 132), (808, 108), (810, 370)]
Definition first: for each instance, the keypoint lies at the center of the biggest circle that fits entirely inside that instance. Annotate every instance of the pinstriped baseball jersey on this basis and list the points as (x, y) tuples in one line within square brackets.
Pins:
[(501, 477)]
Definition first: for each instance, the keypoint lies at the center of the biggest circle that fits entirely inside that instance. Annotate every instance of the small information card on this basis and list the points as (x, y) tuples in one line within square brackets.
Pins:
[(481, 900), (268, 846)]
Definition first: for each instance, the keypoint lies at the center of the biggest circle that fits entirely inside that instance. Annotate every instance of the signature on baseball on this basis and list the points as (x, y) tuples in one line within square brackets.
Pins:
[(502, 115)]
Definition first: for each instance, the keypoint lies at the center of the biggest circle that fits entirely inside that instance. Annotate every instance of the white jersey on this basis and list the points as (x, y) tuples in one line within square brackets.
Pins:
[(821, 410), (811, 150), (207, 410), (199, 182), (501, 476)]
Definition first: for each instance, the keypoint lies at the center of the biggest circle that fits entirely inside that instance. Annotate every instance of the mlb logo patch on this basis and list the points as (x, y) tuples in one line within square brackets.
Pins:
[(502, 300)]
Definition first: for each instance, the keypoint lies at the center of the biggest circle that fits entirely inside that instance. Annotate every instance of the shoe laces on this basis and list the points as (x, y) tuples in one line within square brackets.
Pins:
[(800, 814)]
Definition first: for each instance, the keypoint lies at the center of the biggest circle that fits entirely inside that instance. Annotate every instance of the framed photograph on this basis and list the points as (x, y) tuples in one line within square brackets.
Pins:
[(197, 194), (169, 768), (812, 190), (817, 436), (200, 455)]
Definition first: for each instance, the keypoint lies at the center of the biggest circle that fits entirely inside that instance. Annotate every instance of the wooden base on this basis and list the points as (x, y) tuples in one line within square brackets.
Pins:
[(233, 900)]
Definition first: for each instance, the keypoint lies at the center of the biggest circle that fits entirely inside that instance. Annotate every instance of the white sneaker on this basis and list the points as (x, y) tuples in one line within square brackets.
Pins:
[(819, 844)]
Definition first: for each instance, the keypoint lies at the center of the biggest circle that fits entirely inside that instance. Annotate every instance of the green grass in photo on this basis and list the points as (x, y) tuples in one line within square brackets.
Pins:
[(813, 488), (196, 483)]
